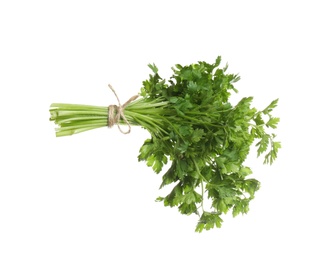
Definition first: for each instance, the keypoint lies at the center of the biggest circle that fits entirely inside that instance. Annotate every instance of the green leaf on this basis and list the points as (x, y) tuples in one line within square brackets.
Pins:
[(273, 153), (218, 61), (189, 198), (226, 192), (175, 197), (208, 221), (258, 120), (170, 176), (251, 186), (193, 87), (156, 161), (272, 122), (270, 107), (197, 135), (232, 167), (241, 207), (146, 150), (187, 209), (220, 205), (153, 68), (159, 199), (245, 171), (185, 130), (263, 144), (173, 100)]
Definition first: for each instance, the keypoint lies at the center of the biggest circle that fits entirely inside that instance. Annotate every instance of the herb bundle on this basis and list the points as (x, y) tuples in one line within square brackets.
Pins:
[(193, 125)]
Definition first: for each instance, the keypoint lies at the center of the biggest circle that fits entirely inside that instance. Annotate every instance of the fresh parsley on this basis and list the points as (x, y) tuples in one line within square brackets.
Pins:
[(194, 126)]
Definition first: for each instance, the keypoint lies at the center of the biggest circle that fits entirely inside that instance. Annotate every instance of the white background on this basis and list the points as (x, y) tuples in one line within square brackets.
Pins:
[(87, 196)]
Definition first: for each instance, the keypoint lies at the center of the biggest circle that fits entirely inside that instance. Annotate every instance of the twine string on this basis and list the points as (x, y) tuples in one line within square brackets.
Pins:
[(115, 112)]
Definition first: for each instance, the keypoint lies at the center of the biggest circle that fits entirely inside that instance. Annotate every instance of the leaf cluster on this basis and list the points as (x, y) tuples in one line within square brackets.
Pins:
[(206, 138)]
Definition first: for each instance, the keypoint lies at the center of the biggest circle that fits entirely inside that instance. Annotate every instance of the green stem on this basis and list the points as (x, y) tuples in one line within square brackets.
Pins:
[(202, 185), (202, 203)]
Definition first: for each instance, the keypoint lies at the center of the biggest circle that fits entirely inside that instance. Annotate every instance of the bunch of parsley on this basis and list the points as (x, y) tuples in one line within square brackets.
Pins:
[(192, 124)]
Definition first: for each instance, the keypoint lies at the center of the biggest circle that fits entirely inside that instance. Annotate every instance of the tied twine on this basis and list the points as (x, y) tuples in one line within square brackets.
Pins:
[(116, 112)]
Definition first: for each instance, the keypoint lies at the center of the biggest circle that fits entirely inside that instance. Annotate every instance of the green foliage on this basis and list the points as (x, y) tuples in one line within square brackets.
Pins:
[(207, 139), (194, 126)]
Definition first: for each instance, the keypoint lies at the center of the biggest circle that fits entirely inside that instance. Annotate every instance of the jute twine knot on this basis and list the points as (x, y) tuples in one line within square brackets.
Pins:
[(116, 112)]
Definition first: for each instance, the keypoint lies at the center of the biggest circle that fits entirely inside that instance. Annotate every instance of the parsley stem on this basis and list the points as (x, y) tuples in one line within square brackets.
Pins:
[(202, 185), (202, 203)]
